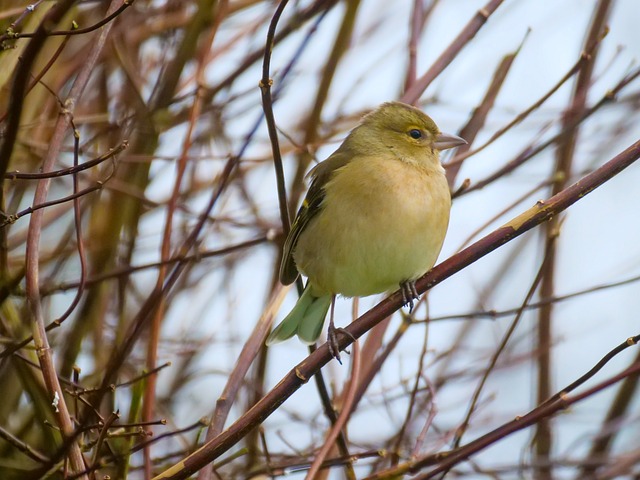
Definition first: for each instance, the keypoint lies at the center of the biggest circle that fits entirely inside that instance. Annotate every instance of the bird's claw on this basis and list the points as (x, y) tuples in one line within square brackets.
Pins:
[(332, 340), (409, 293)]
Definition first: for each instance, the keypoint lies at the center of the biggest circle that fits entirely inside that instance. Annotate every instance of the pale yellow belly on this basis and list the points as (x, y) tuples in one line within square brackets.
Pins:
[(386, 230)]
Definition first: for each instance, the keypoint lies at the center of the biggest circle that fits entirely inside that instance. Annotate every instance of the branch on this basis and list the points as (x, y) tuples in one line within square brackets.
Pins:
[(558, 402), (299, 375), (464, 37)]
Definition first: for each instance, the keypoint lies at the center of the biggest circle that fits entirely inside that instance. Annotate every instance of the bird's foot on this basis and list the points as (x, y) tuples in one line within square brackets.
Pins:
[(409, 293), (332, 340)]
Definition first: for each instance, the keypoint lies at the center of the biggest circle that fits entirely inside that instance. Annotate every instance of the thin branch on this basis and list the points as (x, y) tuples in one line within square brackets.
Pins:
[(344, 416), (267, 106), (446, 460), (74, 31), (34, 299), (464, 37), (20, 80), (70, 170)]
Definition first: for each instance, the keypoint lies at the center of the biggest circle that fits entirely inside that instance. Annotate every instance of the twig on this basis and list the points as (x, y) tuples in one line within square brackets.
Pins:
[(602, 441), (464, 37), (533, 305), (74, 31), (267, 107), (34, 300), (245, 359), (148, 405), (543, 436), (342, 418), (446, 460), (428, 421), (496, 355), (340, 46), (412, 400), (480, 113), (22, 446), (19, 85), (70, 170), (584, 59)]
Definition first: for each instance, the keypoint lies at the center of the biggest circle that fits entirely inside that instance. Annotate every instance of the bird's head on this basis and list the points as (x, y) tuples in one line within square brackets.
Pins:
[(403, 130)]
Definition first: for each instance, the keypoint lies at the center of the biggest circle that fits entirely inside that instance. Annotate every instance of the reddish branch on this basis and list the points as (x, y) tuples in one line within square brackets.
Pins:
[(298, 376), (448, 459)]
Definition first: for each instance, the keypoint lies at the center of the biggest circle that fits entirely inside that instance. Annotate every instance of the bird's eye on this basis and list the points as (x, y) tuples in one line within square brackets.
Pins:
[(415, 134)]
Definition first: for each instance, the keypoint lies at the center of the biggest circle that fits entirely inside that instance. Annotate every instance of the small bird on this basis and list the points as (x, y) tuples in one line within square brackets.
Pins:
[(374, 218)]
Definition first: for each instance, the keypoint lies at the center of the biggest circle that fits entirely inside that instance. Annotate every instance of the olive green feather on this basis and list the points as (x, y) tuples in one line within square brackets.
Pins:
[(305, 320), (311, 205)]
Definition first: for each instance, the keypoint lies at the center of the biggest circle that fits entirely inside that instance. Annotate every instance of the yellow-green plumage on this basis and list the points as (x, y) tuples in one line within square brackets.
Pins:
[(375, 216)]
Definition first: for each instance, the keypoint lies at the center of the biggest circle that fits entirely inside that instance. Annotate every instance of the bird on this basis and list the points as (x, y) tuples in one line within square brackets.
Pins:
[(374, 219)]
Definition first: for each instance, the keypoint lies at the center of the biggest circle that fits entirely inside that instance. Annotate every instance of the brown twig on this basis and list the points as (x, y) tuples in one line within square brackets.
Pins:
[(464, 37), (22, 446), (417, 22), (70, 170), (447, 460), (345, 413), (20, 80), (602, 442), (412, 402), (531, 151), (74, 31), (245, 359), (340, 46), (460, 431), (584, 59), (543, 437), (493, 314), (480, 113), (148, 406), (33, 253), (267, 107)]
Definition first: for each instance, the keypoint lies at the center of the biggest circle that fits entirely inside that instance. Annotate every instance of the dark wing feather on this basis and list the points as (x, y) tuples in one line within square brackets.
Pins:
[(311, 205)]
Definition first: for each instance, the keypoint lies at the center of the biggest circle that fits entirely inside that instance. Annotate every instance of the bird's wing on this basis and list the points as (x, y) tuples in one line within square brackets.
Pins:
[(311, 206)]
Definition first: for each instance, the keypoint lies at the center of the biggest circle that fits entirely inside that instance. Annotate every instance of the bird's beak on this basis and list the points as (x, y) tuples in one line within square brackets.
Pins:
[(447, 140)]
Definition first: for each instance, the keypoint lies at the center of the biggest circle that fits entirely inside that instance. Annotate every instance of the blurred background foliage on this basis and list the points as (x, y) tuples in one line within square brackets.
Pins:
[(141, 234)]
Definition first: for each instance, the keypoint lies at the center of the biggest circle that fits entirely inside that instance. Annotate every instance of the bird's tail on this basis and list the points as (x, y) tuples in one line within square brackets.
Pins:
[(306, 319)]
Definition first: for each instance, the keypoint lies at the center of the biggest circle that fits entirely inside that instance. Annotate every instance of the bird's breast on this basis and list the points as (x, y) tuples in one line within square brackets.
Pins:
[(382, 222)]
